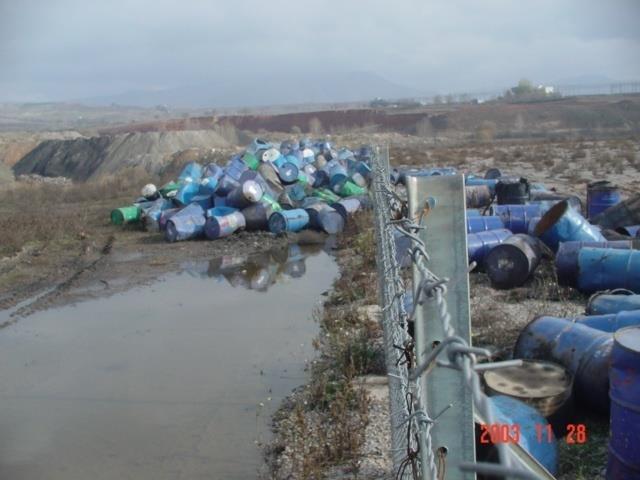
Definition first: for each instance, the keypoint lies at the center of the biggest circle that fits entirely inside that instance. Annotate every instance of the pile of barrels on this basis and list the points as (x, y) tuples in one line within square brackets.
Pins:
[(591, 361), (298, 185)]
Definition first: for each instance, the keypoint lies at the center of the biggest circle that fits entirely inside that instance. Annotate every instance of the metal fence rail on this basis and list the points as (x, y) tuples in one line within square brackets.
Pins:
[(412, 420)]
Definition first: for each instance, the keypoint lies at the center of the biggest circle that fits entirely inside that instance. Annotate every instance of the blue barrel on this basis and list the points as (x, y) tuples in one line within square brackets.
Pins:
[(290, 158), (288, 220), (532, 225), (493, 173), (244, 195), (479, 244), (509, 411), (347, 207), (213, 170), (584, 351), (325, 218), (600, 196), (549, 199), (256, 217), (473, 212), (567, 257), (630, 231), (482, 224), (337, 174), (288, 173), (219, 227), (562, 224), (186, 192), (624, 378), (608, 268), (165, 217), (151, 215), (235, 167), (186, 224), (208, 186), (624, 213), (511, 263), (602, 303), (517, 217), (611, 322), (205, 201), (191, 172), (220, 211)]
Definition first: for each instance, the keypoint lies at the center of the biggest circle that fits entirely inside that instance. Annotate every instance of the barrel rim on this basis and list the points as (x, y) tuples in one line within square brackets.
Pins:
[(621, 332), (551, 217)]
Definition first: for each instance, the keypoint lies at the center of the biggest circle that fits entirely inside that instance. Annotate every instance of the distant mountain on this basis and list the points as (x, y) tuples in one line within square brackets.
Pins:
[(266, 89)]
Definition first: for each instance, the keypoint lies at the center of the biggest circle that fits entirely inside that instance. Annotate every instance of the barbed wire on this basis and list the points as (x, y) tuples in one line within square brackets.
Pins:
[(408, 409)]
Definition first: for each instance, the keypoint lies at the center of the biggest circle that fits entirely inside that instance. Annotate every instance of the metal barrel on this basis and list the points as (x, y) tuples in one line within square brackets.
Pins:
[(629, 231), (601, 195), (256, 217), (608, 268), (325, 218), (482, 224), (165, 216), (346, 207), (509, 411), (493, 173), (479, 244), (567, 258), (219, 227), (123, 215), (246, 194), (477, 196), (624, 379), (611, 322), (491, 183), (562, 224), (584, 351), (512, 192), (186, 224), (512, 262), (186, 192), (517, 217), (605, 302), (288, 220), (550, 198), (621, 214), (532, 225), (546, 386)]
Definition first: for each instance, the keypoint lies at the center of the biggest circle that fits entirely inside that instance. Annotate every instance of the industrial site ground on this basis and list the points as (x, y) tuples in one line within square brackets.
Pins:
[(58, 244)]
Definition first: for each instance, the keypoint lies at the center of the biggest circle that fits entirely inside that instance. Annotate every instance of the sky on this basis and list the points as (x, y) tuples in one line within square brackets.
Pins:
[(52, 50)]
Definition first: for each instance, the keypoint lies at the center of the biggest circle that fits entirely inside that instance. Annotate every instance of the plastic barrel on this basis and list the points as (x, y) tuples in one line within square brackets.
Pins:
[(611, 322), (477, 196), (169, 189), (584, 351), (191, 172), (186, 224), (219, 227), (205, 201), (473, 212), (123, 215), (165, 216), (621, 214), (624, 441), (567, 257), (220, 211), (350, 189), (186, 192), (288, 173), (512, 192), (479, 244), (347, 207), (602, 303), (512, 262), (562, 223), (208, 186), (326, 195), (337, 173), (256, 217), (288, 220), (325, 218), (517, 217), (509, 411), (601, 196), (493, 173), (213, 170), (608, 268), (482, 224), (251, 161), (629, 231)]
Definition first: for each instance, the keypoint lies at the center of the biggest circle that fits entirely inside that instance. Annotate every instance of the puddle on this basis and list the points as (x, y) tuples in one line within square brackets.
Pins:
[(164, 381)]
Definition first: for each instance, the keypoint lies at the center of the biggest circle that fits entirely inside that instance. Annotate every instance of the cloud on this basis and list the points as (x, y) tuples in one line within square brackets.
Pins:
[(73, 48)]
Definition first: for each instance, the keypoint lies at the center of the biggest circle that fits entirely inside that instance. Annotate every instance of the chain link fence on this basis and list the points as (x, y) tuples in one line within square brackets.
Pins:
[(412, 421)]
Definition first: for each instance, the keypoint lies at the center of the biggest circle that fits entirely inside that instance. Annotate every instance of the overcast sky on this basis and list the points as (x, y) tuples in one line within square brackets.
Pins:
[(66, 49)]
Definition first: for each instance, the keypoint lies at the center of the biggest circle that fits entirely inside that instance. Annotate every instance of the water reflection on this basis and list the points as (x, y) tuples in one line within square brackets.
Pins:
[(258, 271)]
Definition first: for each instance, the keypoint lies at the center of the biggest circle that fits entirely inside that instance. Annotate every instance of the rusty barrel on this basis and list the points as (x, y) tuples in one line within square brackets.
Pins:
[(624, 379), (477, 196), (512, 262), (584, 351)]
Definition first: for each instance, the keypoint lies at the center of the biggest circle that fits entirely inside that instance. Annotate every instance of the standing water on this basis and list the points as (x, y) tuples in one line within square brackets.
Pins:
[(176, 380)]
